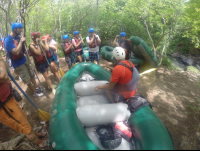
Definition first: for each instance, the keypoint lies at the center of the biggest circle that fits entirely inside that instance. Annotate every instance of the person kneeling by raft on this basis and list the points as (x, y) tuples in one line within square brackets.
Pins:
[(11, 114), (41, 63), (124, 79), (67, 47), (51, 59)]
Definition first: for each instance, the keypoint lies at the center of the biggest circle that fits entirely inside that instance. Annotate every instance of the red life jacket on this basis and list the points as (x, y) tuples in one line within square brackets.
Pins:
[(5, 89), (37, 58), (2, 43), (66, 45), (16, 43), (49, 54), (93, 45), (77, 41)]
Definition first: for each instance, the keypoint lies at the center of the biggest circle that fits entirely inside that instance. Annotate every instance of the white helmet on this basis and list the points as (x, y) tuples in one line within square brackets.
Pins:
[(119, 53)]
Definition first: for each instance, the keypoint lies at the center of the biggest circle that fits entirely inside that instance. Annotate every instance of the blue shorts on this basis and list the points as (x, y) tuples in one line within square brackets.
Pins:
[(94, 56), (42, 67)]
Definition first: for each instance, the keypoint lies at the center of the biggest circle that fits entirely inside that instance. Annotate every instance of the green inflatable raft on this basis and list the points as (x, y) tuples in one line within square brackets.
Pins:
[(142, 50), (107, 53), (73, 118), (86, 53)]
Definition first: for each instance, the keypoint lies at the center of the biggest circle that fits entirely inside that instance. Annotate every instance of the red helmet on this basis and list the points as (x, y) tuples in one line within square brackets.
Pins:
[(44, 37), (35, 35)]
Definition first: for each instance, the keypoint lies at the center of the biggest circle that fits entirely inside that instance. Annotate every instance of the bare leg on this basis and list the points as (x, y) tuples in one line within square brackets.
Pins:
[(55, 70), (80, 58), (33, 138), (47, 80), (110, 96), (98, 62), (31, 87), (34, 82)]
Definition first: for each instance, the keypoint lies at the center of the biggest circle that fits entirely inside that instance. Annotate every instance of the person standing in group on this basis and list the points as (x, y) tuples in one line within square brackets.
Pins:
[(39, 59), (124, 43), (67, 47), (124, 79), (11, 114), (77, 41), (15, 46), (93, 41), (51, 59), (54, 47)]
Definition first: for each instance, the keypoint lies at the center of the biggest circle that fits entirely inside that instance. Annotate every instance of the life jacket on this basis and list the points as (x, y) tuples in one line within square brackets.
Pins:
[(77, 41), (66, 45), (16, 43), (37, 58), (93, 45), (2, 103), (132, 84), (49, 54), (2, 43)]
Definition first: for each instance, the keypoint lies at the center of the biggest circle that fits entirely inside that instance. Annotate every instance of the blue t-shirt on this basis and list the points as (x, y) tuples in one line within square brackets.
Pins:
[(9, 45)]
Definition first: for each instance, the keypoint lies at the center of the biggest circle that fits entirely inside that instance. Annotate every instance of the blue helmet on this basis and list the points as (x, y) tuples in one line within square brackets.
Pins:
[(122, 34), (65, 37), (91, 30), (76, 32), (16, 25)]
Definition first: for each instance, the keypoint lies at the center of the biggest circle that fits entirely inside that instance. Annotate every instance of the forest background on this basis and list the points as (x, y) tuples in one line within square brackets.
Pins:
[(167, 26)]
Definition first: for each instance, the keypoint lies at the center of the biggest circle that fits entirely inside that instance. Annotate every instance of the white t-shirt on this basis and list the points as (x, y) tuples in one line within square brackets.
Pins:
[(95, 49)]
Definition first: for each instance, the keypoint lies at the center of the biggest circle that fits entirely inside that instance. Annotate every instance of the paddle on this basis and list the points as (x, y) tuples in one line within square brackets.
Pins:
[(61, 72), (47, 60), (72, 55), (148, 71), (82, 50), (43, 89), (43, 115)]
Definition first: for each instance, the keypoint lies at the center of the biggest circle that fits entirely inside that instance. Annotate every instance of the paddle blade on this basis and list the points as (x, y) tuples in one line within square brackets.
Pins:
[(44, 115), (62, 73), (72, 64), (148, 71)]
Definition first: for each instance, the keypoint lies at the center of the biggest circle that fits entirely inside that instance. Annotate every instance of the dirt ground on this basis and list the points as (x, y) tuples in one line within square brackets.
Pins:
[(174, 95)]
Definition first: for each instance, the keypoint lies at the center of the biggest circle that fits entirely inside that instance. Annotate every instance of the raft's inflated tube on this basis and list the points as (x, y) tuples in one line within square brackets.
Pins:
[(67, 132), (107, 53), (95, 115), (142, 50)]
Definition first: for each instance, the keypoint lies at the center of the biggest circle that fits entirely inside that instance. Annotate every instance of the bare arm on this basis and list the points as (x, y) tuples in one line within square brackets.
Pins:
[(108, 86), (69, 48), (76, 45), (3, 72), (91, 41), (115, 43), (17, 50), (34, 50), (107, 66), (45, 45)]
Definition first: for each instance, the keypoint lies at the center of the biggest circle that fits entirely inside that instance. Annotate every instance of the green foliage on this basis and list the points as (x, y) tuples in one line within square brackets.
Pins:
[(195, 107), (168, 63), (193, 69)]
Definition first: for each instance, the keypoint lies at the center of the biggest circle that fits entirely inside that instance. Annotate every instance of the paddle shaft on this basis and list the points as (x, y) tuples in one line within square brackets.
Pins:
[(36, 73), (21, 89), (47, 61), (72, 53)]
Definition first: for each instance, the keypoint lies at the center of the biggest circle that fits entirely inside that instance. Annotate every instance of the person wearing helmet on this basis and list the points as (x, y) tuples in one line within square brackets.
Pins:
[(39, 58), (54, 47), (67, 47), (50, 58), (123, 42), (76, 41), (124, 79), (93, 41), (2, 47), (11, 114), (15, 46)]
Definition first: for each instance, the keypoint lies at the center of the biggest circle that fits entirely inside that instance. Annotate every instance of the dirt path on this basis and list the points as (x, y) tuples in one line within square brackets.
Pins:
[(174, 95)]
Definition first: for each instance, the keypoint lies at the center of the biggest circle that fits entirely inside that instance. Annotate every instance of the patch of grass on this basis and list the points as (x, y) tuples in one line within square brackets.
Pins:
[(168, 63), (195, 107), (193, 69)]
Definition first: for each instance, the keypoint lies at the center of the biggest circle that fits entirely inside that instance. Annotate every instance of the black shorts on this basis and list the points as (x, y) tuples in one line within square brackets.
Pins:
[(42, 67), (68, 59), (79, 53)]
